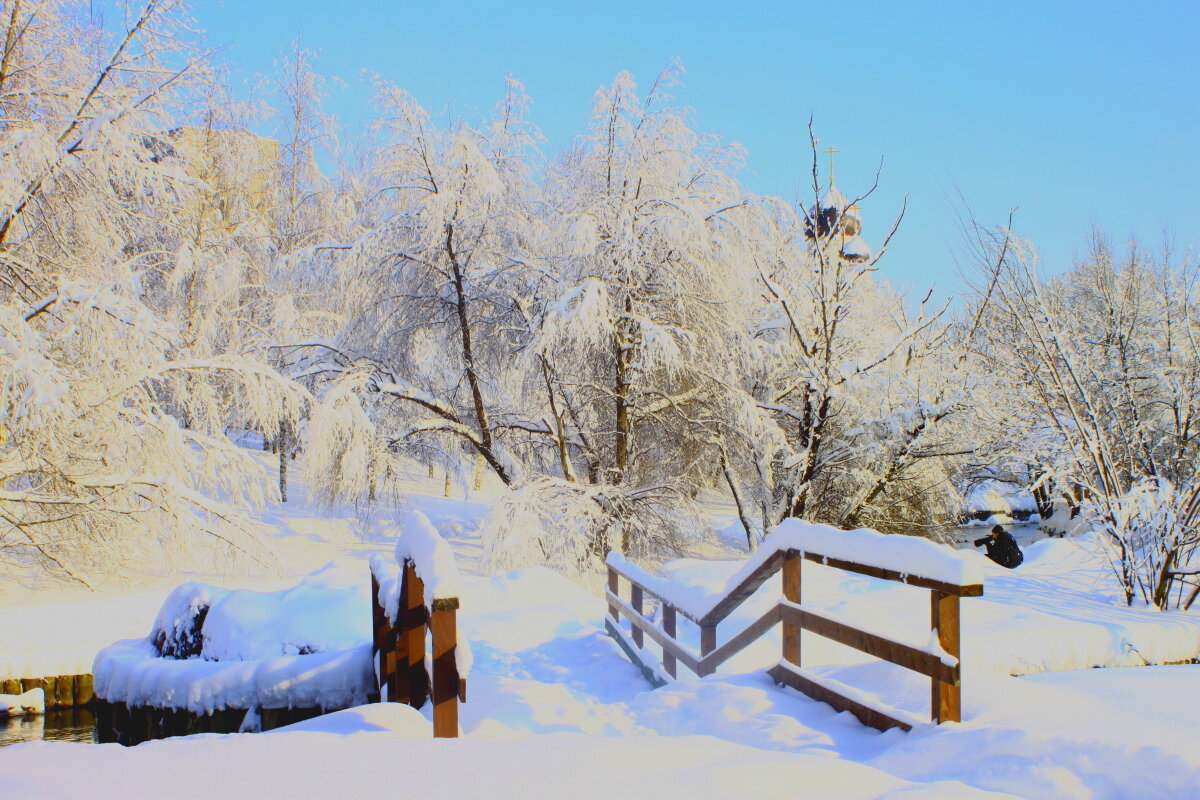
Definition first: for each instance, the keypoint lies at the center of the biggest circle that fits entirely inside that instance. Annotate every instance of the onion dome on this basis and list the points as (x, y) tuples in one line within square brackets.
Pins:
[(832, 214), (856, 249)]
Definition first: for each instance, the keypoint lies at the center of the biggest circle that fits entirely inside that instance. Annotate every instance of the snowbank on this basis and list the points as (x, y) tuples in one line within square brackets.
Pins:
[(31, 702), (301, 763), (303, 647), (328, 610), (131, 672)]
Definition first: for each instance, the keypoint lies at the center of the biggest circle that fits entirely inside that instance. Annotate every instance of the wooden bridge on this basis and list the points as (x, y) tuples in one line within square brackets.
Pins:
[(940, 664)]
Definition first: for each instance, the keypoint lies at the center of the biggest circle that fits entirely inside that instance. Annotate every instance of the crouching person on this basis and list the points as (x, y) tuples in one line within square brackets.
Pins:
[(1002, 547)]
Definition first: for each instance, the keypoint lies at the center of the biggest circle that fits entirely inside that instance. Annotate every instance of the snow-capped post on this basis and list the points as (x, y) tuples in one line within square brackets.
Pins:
[(911, 560), (415, 592)]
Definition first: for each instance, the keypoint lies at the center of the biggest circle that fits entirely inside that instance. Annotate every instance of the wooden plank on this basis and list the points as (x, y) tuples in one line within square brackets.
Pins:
[(946, 696), (668, 613), (634, 654), (677, 650), (635, 600), (444, 629), (740, 593), (749, 635), (791, 593), (869, 643), (866, 715), (971, 590)]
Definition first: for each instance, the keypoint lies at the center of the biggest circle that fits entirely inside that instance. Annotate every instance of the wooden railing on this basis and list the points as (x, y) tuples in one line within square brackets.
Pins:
[(399, 651), (942, 668)]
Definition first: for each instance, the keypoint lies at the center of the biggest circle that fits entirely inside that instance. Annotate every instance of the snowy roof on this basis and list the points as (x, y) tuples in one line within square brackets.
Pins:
[(856, 248), (832, 198)]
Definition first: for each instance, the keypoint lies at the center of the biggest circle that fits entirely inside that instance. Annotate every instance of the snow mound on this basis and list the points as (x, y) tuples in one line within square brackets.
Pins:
[(432, 557), (308, 646), (31, 702), (328, 610), (131, 672), (177, 628), (395, 718)]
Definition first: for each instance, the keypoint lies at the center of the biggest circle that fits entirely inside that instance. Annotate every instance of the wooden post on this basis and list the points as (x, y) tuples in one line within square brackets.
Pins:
[(669, 629), (412, 630), (708, 643), (946, 698), (613, 613), (443, 625), (635, 600), (791, 593), (377, 637), (64, 691), (394, 655), (84, 694)]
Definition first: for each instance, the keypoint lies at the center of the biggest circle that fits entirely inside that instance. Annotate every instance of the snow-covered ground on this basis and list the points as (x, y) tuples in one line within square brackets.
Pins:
[(555, 709)]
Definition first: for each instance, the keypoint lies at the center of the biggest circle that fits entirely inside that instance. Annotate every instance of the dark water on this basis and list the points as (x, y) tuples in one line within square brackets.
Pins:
[(67, 725), (964, 537)]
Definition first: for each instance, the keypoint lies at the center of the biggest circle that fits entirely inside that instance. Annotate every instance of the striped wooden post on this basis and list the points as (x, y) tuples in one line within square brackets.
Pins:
[(946, 698), (412, 630), (443, 626)]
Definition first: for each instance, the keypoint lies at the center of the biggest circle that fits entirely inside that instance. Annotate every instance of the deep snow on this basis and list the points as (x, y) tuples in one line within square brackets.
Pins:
[(555, 709)]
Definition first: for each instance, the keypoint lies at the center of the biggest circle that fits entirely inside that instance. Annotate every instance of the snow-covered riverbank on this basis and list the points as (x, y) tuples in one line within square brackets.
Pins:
[(549, 692)]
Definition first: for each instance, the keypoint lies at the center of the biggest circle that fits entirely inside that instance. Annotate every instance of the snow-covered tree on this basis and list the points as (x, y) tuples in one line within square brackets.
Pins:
[(1105, 367), (432, 292), (117, 382)]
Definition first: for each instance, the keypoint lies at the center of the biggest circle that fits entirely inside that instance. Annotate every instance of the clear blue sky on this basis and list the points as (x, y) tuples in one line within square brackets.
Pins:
[(1073, 112)]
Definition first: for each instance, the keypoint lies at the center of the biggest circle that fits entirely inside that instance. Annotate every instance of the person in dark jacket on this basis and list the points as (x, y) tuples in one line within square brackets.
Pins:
[(1002, 547)]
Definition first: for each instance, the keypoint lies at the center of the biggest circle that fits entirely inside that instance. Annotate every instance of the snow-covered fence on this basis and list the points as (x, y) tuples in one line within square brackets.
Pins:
[(904, 559), (415, 592)]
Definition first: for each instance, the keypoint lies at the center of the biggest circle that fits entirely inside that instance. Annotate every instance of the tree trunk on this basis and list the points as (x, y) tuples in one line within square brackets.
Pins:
[(621, 401), (737, 499)]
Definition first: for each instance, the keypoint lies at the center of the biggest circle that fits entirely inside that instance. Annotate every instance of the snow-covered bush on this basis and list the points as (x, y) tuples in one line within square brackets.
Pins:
[(1147, 534), (570, 526)]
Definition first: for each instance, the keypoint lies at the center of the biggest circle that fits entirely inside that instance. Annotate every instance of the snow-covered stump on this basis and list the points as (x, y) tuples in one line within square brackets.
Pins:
[(415, 593), (947, 575)]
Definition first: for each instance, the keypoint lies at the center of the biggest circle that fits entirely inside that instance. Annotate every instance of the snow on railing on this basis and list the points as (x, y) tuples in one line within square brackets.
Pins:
[(948, 575), (418, 591)]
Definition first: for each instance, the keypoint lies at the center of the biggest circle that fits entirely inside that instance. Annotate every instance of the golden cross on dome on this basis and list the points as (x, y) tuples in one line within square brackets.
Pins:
[(830, 151)]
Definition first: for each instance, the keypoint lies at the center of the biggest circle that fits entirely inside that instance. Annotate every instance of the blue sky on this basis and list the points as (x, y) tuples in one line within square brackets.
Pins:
[(1074, 113)]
